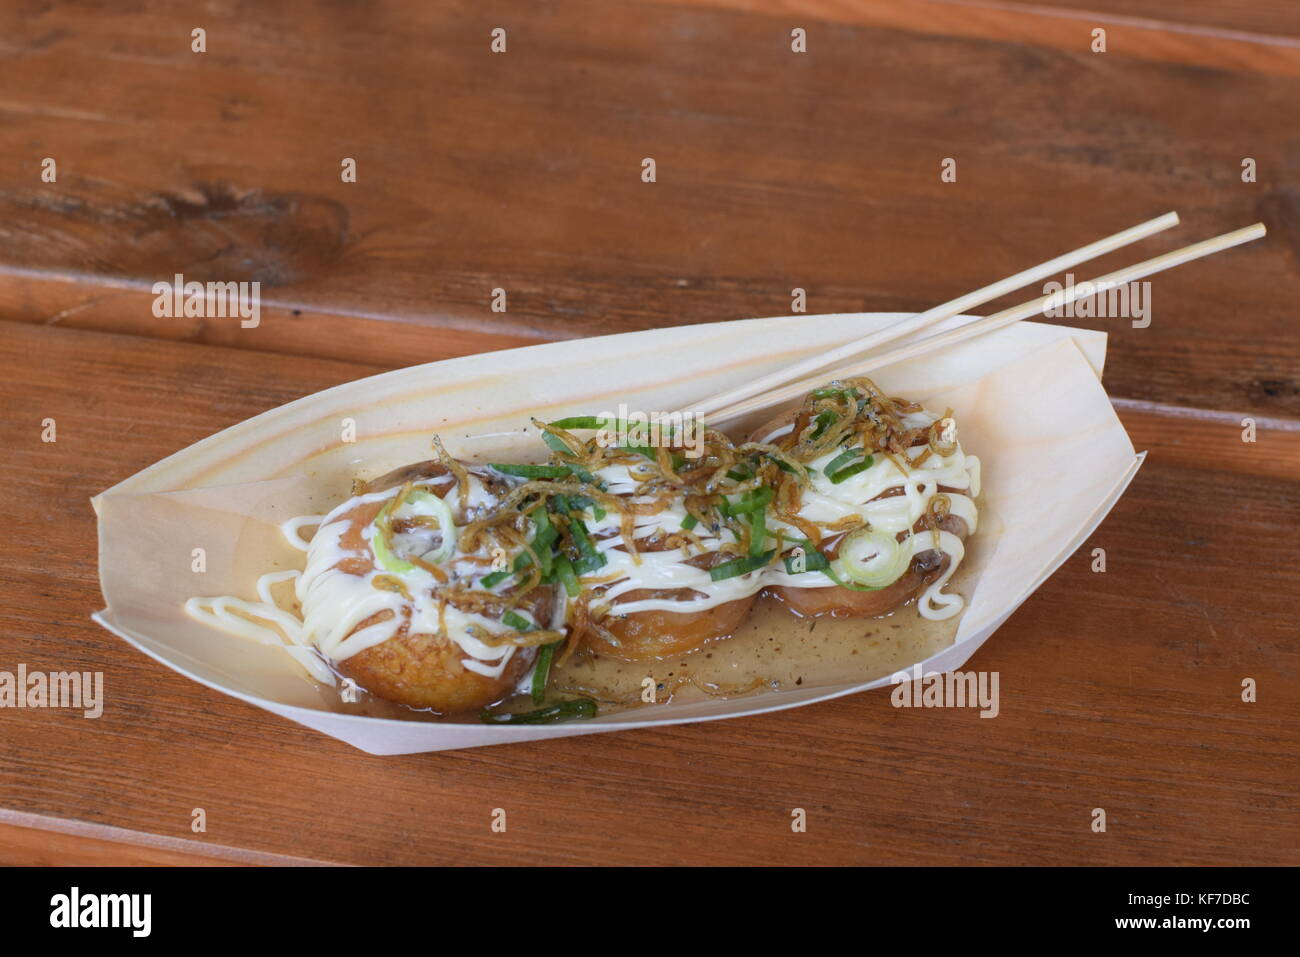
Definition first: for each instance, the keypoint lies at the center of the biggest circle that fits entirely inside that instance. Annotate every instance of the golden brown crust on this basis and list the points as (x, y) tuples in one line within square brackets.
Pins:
[(846, 603), (660, 634), (425, 671)]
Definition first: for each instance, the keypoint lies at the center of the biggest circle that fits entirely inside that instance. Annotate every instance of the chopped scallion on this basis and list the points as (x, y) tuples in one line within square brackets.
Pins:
[(542, 673), (838, 477), (813, 561), (583, 422), (516, 621), (740, 566), (531, 471), (561, 711), (841, 460), (824, 421), (757, 531), (566, 576), (492, 579)]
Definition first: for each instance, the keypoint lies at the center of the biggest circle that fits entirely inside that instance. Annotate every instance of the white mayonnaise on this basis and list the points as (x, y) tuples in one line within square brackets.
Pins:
[(824, 503), (857, 497), (335, 602)]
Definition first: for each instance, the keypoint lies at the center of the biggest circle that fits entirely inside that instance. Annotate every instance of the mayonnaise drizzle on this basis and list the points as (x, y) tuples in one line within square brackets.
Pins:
[(857, 496), (822, 502), (262, 621), (335, 602)]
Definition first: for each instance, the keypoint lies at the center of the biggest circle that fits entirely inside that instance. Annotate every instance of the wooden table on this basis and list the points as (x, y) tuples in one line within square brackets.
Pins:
[(774, 170)]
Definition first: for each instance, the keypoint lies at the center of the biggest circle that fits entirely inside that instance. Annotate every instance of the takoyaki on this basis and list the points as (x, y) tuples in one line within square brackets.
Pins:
[(884, 510), (449, 587)]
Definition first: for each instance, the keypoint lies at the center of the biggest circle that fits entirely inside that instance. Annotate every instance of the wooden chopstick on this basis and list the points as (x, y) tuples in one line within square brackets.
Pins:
[(1006, 317), (955, 307)]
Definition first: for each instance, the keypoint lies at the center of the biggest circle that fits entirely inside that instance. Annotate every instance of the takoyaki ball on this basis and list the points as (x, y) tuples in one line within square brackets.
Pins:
[(660, 634), (426, 471), (834, 600), (426, 670)]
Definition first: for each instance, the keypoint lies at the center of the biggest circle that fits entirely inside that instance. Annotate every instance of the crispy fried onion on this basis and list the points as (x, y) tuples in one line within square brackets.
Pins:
[(667, 475), (848, 413), (936, 510), (455, 468)]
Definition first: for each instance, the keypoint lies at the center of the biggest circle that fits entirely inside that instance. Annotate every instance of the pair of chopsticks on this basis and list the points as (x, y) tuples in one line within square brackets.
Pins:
[(860, 357)]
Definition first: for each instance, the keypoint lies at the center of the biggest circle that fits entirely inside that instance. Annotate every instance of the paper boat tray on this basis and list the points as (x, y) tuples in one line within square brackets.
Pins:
[(1028, 400)]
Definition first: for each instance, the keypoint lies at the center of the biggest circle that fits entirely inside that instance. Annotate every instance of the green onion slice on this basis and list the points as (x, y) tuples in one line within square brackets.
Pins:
[(838, 477), (757, 531), (752, 501), (824, 421), (740, 566), (584, 422), (562, 711), (841, 460), (830, 391), (516, 621), (813, 561), (591, 558), (446, 524), (873, 559), (492, 579), (531, 471), (542, 673), (566, 576), (379, 542)]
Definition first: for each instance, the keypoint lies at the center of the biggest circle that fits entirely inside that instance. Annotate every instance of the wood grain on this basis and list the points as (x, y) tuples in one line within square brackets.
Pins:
[(26, 846), (1260, 20), (1119, 690), (1260, 36), (29, 840), (521, 171)]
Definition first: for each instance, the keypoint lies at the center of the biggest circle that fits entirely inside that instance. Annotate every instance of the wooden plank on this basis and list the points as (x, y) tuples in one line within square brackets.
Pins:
[(28, 840), (24, 846), (1259, 19), (1259, 37), (1214, 441), (1119, 690), (522, 172), (87, 302)]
